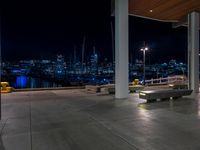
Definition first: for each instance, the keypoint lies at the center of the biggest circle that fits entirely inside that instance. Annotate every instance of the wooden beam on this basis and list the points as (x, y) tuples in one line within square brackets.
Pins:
[(182, 22)]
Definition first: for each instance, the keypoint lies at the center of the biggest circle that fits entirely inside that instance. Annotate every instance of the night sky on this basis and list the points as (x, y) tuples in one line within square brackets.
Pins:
[(40, 30)]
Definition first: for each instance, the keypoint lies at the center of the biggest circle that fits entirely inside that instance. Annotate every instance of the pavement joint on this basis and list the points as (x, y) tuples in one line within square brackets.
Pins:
[(4, 124), (114, 133)]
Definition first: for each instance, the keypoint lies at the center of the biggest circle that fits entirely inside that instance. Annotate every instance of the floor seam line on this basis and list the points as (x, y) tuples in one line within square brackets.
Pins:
[(3, 127), (117, 135), (31, 137)]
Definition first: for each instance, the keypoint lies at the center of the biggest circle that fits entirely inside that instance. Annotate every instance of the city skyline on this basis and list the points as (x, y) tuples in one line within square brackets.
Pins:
[(65, 72), (44, 33)]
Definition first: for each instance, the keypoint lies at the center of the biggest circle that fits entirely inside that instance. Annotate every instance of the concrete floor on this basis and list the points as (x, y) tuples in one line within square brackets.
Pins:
[(76, 120)]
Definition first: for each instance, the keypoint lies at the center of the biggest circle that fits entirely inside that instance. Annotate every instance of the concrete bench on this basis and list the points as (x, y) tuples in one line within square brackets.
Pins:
[(178, 86), (92, 88), (132, 88), (111, 90), (163, 94)]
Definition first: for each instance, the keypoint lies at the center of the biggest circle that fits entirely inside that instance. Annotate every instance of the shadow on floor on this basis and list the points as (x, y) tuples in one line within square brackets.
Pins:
[(168, 104)]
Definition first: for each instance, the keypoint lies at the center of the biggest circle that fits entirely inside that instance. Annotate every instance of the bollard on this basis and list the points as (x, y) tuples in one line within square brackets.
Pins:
[(5, 88)]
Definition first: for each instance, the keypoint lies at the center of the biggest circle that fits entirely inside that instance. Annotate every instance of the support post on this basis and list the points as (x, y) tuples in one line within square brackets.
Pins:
[(193, 51), (0, 67), (121, 49)]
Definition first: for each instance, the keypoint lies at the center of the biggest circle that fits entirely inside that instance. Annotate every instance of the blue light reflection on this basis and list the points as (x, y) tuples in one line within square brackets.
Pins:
[(21, 81)]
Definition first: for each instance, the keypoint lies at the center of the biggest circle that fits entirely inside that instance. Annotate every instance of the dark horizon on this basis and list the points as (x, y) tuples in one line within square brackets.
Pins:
[(42, 31)]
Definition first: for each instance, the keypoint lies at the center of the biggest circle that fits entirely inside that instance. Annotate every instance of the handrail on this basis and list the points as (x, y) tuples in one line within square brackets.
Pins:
[(167, 80)]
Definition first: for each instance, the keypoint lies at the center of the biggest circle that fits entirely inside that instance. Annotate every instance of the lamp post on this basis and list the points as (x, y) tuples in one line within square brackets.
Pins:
[(144, 50)]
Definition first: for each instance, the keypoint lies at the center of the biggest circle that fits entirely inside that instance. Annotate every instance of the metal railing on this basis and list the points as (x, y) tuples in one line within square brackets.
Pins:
[(167, 80)]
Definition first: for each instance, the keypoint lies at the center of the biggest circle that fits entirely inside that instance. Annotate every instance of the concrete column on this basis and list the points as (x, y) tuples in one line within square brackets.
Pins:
[(0, 66), (121, 49), (193, 51)]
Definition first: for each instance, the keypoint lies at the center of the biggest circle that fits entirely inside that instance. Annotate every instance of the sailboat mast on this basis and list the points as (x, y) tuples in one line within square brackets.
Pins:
[(113, 48), (83, 51), (74, 53)]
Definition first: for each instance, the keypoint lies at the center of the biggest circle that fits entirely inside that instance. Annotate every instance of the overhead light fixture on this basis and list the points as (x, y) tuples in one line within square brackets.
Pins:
[(150, 10)]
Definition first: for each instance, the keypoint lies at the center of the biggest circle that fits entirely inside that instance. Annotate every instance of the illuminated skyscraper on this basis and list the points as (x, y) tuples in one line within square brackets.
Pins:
[(94, 63), (60, 67)]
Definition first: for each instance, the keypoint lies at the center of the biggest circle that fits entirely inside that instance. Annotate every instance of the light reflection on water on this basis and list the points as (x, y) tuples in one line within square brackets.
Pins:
[(21, 81), (29, 82)]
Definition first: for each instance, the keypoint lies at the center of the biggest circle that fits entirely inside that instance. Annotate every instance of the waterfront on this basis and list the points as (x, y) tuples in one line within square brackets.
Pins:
[(60, 73), (19, 82), (25, 81)]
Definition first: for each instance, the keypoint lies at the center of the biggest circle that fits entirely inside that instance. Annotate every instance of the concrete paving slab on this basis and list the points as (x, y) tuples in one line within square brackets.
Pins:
[(74, 119), (50, 122), (16, 126), (15, 110), (15, 142), (79, 137)]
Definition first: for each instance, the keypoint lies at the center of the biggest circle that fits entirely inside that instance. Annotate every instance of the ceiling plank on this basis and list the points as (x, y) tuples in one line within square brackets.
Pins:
[(165, 10)]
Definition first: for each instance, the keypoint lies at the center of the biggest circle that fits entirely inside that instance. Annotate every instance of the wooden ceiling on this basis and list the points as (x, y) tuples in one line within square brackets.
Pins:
[(163, 10)]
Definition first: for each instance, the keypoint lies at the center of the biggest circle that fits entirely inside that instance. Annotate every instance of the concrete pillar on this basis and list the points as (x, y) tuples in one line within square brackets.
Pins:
[(121, 49), (0, 65), (193, 51)]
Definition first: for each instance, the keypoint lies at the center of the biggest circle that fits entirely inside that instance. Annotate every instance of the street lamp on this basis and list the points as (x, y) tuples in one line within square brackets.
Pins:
[(144, 49)]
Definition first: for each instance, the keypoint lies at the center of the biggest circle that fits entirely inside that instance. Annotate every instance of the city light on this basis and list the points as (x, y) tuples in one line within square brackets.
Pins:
[(68, 71)]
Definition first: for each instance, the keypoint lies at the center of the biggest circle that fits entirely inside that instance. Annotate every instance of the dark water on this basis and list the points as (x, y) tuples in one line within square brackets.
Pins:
[(29, 82)]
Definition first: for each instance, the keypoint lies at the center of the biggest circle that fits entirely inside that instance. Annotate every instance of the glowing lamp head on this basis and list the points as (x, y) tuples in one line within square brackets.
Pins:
[(144, 49)]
